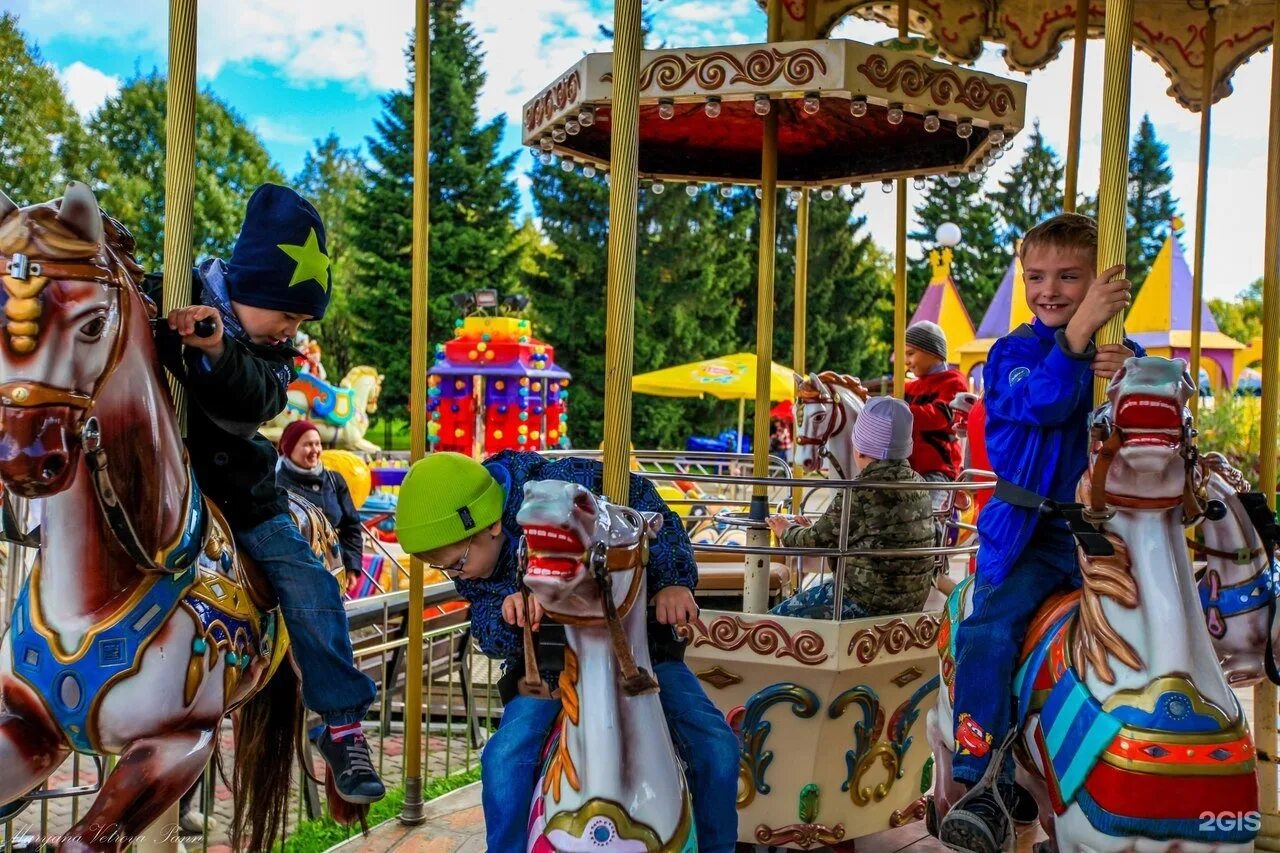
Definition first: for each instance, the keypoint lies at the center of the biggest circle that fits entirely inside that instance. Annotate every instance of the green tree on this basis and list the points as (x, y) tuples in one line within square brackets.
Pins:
[(473, 203), (41, 139), (333, 179), (849, 292), (1032, 190), (1151, 203), (980, 258), (127, 161), (1240, 318), (695, 268)]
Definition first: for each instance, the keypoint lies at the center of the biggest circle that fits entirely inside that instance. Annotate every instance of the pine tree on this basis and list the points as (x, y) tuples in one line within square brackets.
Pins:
[(40, 134), (127, 161), (982, 255), (1151, 202), (1032, 190), (333, 178), (473, 202)]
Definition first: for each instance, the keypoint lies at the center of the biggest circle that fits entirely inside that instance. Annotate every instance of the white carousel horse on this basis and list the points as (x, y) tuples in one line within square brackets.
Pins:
[(365, 384), (1129, 727), (1238, 585), (829, 405), (611, 780)]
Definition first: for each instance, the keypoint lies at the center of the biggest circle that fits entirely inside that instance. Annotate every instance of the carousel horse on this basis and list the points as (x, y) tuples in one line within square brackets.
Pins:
[(341, 414), (1129, 730), (1238, 589), (829, 404), (611, 779), (139, 627)]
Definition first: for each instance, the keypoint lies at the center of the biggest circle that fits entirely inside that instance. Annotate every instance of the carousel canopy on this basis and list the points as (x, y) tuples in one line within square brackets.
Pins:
[(847, 113), (1172, 32), (941, 304)]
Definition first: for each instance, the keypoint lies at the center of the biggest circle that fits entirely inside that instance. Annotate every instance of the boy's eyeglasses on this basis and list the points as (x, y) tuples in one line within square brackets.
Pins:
[(455, 568)]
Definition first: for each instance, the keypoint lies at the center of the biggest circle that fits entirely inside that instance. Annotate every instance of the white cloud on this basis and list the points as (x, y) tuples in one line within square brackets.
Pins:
[(87, 88), (277, 131)]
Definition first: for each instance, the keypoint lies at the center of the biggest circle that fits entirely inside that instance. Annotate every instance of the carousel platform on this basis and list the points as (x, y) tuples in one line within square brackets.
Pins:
[(455, 824)]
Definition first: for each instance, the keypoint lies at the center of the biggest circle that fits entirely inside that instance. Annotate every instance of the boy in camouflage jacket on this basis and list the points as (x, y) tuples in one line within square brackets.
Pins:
[(878, 519)]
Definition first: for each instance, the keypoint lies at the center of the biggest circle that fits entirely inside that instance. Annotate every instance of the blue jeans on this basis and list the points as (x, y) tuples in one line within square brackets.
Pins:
[(312, 607), (989, 641), (510, 763), (819, 602)]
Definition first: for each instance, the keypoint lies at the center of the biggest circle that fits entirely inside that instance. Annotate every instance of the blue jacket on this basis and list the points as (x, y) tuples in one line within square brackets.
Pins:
[(1038, 398), (671, 560)]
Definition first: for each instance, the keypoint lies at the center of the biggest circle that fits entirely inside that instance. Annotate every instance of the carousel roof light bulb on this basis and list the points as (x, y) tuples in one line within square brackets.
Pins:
[(975, 176), (759, 193), (546, 142), (726, 191), (858, 106), (793, 195), (827, 194), (572, 127), (587, 116), (886, 186), (545, 158), (896, 114), (997, 134), (932, 122), (812, 103), (762, 105), (691, 190), (918, 183), (666, 109), (566, 165), (659, 187), (558, 134), (588, 171), (964, 128), (952, 179), (712, 107)]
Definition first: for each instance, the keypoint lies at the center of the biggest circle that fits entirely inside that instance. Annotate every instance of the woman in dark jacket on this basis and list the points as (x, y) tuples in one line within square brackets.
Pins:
[(302, 473)]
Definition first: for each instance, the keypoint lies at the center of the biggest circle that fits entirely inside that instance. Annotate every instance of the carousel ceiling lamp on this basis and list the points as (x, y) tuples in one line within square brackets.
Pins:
[(997, 135), (762, 105), (546, 143), (812, 103), (659, 187), (572, 127), (712, 107), (666, 109), (932, 122), (828, 193), (918, 183), (545, 158), (964, 128), (691, 190), (726, 191), (858, 106), (952, 179), (558, 134), (588, 171), (566, 165), (793, 196), (886, 186), (587, 117), (896, 114)]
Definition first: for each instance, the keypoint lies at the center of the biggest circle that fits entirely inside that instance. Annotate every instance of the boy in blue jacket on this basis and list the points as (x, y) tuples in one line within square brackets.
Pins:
[(1039, 381), (460, 516)]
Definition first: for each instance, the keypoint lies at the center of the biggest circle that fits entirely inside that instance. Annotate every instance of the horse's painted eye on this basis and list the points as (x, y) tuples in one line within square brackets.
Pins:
[(94, 328)]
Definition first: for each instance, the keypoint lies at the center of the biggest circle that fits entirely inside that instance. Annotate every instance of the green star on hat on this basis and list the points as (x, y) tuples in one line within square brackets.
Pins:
[(312, 263)]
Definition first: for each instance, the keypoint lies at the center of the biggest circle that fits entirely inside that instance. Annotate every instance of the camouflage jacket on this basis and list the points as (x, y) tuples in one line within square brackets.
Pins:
[(879, 518)]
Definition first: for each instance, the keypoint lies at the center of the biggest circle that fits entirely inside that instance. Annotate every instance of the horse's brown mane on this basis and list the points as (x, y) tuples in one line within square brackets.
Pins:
[(1095, 641), (37, 231), (805, 389), (1216, 463)]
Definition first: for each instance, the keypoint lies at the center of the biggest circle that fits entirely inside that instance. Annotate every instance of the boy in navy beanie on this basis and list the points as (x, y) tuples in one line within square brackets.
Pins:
[(237, 379)]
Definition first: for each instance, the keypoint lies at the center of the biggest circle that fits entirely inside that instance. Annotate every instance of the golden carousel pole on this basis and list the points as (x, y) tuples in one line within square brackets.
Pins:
[(799, 342), (1264, 695), (900, 259), (1113, 183), (1202, 207), (624, 141), (179, 212), (1077, 105), (411, 812), (755, 581)]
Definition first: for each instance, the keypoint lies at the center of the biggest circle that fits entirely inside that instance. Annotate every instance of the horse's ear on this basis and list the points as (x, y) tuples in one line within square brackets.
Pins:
[(6, 205), (652, 522), (80, 212)]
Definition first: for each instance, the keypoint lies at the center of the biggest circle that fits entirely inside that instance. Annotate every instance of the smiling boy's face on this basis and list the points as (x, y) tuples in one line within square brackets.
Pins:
[(1056, 278)]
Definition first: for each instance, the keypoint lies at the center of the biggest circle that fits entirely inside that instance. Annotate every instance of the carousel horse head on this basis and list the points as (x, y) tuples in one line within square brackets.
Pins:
[(829, 404), (68, 298), (578, 544)]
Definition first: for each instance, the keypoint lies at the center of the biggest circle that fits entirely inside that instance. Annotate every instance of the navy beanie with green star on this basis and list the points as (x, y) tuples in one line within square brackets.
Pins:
[(280, 261)]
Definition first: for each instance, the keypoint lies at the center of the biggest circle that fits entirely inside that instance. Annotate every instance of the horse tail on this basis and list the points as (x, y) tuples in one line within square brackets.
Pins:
[(269, 726)]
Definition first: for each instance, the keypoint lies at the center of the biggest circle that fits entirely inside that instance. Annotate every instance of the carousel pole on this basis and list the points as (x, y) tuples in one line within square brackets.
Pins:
[(1202, 206), (1264, 695), (1077, 105), (900, 259), (798, 335), (624, 141), (411, 812), (1114, 179), (755, 581), (179, 211)]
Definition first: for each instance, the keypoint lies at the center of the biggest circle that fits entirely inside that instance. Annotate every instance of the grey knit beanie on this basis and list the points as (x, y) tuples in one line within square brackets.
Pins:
[(883, 429), (928, 337)]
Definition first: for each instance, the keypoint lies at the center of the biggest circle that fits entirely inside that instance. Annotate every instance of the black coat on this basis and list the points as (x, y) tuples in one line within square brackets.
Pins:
[(329, 493), (227, 403)]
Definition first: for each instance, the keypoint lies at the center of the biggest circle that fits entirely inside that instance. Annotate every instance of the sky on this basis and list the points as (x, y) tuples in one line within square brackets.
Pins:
[(297, 70)]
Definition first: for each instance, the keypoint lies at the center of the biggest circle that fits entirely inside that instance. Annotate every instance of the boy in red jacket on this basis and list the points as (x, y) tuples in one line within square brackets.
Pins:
[(936, 453)]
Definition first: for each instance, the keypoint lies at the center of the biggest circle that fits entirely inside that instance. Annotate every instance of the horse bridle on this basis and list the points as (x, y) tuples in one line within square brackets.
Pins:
[(24, 394), (835, 424), (1110, 438), (601, 561)]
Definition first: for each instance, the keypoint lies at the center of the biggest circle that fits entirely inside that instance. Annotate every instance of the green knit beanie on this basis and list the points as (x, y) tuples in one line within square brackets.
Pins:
[(445, 498)]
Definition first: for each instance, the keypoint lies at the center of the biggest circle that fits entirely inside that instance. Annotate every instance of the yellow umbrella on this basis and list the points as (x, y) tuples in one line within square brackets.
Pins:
[(730, 377)]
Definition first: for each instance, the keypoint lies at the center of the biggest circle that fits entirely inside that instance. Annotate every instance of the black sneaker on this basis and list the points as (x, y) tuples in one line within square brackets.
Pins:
[(978, 825), (1022, 806), (351, 763)]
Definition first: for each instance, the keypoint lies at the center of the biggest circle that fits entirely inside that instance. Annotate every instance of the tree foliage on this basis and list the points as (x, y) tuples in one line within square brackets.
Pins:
[(980, 258), (1240, 318), (1151, 203), (1032, 190)]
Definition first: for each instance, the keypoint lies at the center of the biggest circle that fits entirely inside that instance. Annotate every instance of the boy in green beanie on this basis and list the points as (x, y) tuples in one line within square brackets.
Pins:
[(460, 516)]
